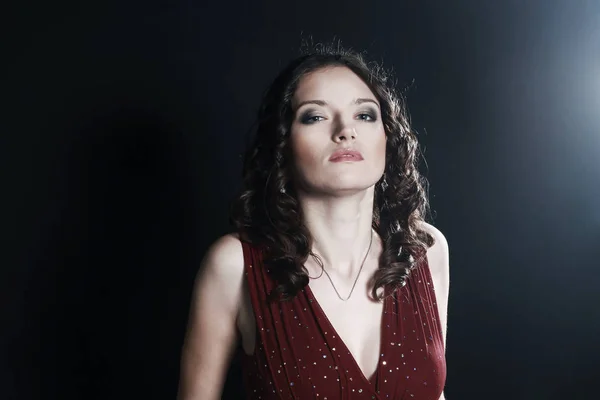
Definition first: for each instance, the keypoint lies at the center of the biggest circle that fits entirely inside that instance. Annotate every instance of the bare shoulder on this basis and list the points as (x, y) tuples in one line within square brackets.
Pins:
[(211, 334), (225, 255), (221, 274), (439, 265), (438, 254)]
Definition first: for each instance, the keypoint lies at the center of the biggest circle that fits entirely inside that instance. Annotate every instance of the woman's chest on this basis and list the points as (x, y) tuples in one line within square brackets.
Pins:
[(356, 323), (300, 353)]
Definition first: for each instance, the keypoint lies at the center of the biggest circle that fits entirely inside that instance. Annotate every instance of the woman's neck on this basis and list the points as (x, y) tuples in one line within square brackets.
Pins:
[(340, 228)]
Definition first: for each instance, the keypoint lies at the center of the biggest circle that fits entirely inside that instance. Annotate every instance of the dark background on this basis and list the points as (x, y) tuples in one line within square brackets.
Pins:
[(120, 139)]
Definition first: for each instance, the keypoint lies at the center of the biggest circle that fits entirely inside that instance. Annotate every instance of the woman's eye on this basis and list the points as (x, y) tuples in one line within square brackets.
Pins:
[(311, 119), (367, 117)]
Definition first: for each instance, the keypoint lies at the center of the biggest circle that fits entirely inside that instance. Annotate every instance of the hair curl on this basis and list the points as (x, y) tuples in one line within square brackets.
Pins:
[(273, 220)]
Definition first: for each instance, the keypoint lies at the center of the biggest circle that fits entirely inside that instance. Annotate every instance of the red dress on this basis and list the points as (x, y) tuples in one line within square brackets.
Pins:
[(298, 354)]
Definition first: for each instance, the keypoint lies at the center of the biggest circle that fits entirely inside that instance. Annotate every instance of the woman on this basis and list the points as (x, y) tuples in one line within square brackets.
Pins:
[(329, 279)]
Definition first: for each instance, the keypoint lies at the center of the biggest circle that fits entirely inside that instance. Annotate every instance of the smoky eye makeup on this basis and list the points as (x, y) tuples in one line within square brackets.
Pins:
[(309, 116), (369, 112), (312, 115)]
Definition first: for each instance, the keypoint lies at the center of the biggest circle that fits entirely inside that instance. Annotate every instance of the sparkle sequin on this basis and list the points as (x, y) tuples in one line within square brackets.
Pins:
[(300, 355)]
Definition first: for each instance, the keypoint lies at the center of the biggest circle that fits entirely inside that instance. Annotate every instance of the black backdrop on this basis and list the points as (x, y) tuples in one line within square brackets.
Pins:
[(121, 133)]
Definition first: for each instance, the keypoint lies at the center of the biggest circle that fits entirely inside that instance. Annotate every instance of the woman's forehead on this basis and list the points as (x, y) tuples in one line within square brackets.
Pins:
[(331, 86)]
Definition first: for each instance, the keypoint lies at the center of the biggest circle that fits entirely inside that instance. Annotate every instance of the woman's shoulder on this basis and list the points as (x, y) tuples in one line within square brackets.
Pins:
[(226, 243), (440, 242), (438, 253), (225, 256)]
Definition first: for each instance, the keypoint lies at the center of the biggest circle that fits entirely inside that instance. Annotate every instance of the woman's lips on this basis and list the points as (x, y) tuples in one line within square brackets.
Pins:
[(345, 155)]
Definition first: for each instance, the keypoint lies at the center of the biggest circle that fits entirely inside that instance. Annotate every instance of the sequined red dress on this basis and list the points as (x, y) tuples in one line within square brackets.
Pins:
[(298, 354)]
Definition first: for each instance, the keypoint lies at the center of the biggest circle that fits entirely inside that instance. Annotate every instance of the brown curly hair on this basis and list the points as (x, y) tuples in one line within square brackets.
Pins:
[(273, 220)]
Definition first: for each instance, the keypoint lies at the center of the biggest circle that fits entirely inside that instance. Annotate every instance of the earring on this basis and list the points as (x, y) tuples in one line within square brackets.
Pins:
[(282, 190)]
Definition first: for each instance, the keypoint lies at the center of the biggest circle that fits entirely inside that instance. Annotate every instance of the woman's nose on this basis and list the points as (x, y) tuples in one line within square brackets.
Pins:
[(346, 132)]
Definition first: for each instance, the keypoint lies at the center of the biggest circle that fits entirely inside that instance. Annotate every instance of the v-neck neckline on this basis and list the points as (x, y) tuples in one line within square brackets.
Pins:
[(373, 379)]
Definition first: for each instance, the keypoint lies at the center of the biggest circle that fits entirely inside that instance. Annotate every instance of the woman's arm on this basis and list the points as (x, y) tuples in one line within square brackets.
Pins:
[(439, 265), (212, 334)]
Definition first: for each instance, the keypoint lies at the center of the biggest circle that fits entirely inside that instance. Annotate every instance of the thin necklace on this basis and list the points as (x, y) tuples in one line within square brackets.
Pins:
[(357, 275)]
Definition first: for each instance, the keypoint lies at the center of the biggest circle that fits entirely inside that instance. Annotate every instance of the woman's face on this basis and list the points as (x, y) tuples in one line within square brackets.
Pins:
[(334, 110)]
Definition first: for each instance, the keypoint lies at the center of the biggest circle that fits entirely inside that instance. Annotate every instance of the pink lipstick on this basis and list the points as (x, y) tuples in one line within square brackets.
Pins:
[(345, 155)]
